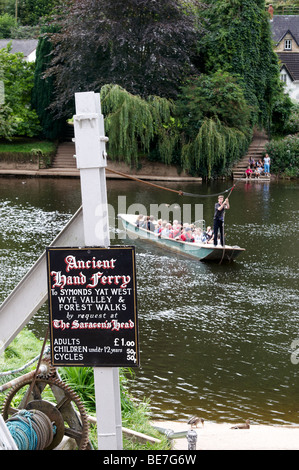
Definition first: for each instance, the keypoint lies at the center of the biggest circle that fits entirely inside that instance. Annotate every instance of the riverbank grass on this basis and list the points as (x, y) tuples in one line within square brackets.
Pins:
[(21, 350), (20, 150)]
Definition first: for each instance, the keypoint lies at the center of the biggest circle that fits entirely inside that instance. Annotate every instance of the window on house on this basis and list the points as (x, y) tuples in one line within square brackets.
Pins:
[(288, 45), (283, 77)]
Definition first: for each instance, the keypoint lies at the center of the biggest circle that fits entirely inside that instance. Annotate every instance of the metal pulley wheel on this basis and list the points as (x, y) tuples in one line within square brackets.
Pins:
[(46, 369), (67, 414)]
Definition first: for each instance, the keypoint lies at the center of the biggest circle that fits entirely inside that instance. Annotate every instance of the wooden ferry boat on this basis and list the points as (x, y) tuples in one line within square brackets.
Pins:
[(200, 251)]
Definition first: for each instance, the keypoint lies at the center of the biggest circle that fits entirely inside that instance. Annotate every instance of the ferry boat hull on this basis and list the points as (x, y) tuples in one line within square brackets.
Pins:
[(201, 251)]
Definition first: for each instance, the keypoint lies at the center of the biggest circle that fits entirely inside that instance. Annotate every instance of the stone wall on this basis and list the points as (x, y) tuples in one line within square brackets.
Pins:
[(147, 168)]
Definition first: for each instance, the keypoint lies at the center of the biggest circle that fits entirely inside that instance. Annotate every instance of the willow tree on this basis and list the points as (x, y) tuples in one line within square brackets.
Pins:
[(133, 123), (213, 148), (214, 118)]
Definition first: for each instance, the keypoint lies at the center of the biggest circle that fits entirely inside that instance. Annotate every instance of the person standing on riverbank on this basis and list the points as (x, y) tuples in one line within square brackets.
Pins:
[(267, 165), (220, 208)]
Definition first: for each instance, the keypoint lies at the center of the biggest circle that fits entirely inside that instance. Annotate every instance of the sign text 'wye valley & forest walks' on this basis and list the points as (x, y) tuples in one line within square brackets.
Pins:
[(93, 306)]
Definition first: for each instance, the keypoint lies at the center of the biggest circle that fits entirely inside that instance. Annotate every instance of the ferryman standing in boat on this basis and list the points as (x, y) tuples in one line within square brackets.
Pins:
[(220, 208)]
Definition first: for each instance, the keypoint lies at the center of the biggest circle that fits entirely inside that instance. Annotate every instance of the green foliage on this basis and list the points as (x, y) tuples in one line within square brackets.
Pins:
[(214, 147), (82, 379), (239, 41), (30, 12), (132, 123), (8, 6), (168, 136), (207, 147), (284, 154), (42, 93), (215, 95), (281, 114), (21, 350), (11, 29), (7, 23), (215, 119), (20, 145), (28, 150), (210, 124), (7, 123), (285, 117), (199, 127), (17, 77), (138, 420), (24, 32), (291, 125)]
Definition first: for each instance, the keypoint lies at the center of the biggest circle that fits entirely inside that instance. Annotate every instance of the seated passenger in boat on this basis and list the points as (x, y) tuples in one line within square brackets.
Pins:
[(187, 235), (199, 236), (176, 229), (161, 227), (209, 235), (166, 229), (174, 224), (150, 223), (139, 220), (158, 226)]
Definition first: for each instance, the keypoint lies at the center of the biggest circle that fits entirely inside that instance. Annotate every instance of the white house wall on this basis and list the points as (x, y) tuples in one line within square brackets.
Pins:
[(292, 88)]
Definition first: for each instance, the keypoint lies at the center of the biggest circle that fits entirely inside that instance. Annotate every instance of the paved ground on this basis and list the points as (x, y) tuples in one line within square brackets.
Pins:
[(221, 437)]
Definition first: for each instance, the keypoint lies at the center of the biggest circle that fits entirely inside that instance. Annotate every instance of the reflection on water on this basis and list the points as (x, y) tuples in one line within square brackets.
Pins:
[(215, 340)]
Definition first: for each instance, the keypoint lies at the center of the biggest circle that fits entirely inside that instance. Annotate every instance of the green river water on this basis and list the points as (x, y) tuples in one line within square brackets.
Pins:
[(215, 340)]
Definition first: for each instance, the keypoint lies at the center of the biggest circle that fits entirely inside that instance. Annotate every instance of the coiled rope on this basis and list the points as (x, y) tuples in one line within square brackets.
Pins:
[(31, 430)]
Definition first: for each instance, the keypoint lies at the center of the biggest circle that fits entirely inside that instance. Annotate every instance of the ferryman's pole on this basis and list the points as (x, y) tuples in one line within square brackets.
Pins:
[(91, 161)]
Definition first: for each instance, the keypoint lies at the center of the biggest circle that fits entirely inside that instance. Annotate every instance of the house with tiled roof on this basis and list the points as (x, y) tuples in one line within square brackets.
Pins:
[(26, 46), (285, 34)]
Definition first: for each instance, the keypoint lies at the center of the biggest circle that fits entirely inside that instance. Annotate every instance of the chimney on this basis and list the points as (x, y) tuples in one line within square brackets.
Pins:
[(270, 11)]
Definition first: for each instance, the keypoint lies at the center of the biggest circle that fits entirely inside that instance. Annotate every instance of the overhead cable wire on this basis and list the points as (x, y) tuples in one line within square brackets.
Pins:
[(179, 192)]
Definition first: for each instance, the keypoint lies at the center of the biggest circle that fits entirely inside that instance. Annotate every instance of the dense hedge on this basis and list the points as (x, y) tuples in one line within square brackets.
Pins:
[(284, 154)]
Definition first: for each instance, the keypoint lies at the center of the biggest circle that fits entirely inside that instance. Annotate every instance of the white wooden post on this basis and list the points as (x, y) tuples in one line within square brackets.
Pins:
[(91, 160)]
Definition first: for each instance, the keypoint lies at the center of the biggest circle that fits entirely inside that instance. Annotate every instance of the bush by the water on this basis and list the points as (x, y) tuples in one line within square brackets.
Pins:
[(284, 154)]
